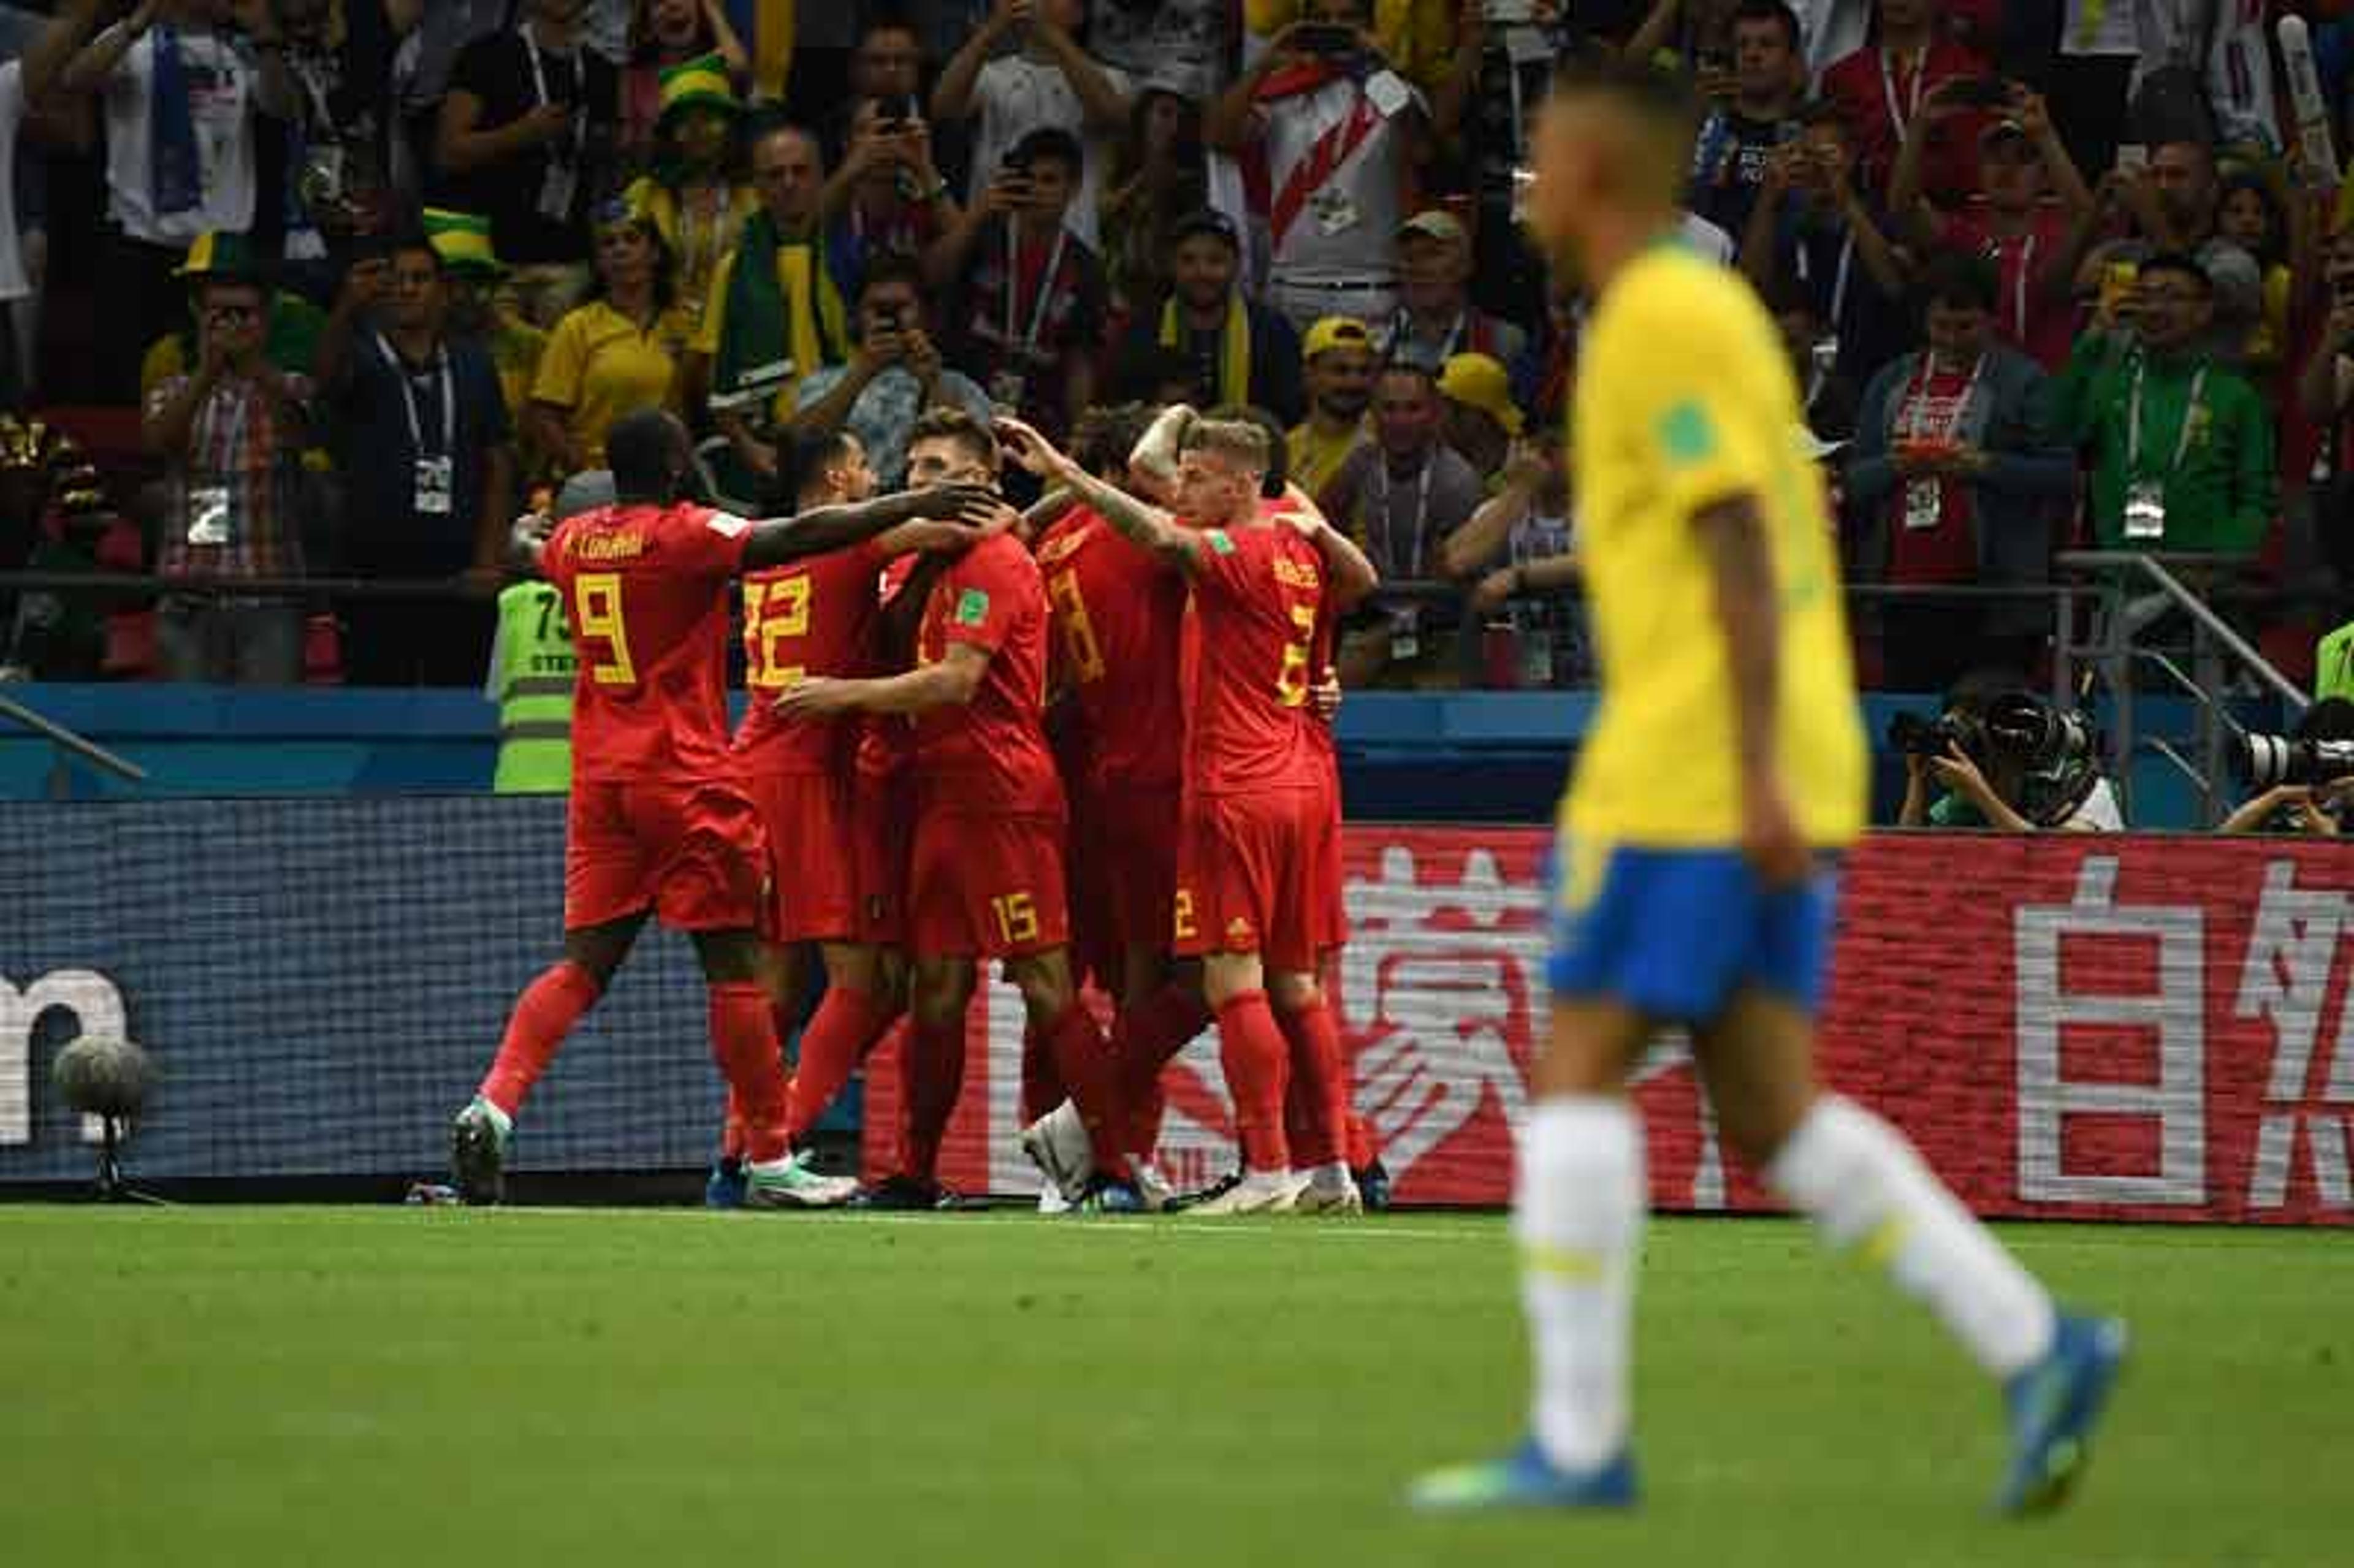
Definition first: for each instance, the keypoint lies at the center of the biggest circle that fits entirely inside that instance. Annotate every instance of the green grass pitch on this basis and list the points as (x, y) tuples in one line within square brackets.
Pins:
[(345, 1388)]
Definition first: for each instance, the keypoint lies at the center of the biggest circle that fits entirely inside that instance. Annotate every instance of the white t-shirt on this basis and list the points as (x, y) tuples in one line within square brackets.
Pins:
[(220, 92), (1346, 231), (1709, 239), (1181, 45), (2099, 813), (1017, 95), (13, 282)]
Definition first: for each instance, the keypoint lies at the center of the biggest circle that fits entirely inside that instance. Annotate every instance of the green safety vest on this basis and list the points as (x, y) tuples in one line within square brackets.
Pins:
[(534, 683), (2333, 664)]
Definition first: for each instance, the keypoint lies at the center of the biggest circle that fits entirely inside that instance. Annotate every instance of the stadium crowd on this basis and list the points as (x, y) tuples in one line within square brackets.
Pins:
[(370, 272)]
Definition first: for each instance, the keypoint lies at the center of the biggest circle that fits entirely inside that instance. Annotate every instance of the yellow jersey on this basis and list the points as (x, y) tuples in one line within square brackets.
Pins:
[(1685, 397), (599, 365)]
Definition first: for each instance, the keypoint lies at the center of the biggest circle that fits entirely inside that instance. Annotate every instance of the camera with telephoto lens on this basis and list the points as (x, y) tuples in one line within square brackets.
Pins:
[(2269, 760), (1916, 736)]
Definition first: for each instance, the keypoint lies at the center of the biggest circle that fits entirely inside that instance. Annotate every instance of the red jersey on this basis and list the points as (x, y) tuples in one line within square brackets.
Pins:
[(647, 588), (2041, 327), (989, 755), (815, 616), (1249, 641), (1878, 92), (1118, 615)]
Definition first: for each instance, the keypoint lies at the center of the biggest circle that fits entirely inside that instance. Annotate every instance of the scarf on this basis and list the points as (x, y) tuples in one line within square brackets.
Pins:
[(1234, 351), (176, 172), (784, 316)]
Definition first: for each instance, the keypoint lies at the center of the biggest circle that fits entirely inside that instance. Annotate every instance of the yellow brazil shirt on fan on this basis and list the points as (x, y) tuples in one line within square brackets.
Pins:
[(599, 365), (1684, 398)]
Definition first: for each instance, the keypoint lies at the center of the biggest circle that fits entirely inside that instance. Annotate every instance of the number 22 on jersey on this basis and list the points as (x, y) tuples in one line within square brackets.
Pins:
[(774, 614)]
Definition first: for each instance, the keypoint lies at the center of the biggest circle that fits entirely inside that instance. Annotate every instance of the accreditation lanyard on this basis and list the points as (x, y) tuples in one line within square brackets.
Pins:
[(1901, 117), (1916, 423), (2019, 288), (1421, 513), (539, 94), (1026, 346), (409, 399), (2191, 409)]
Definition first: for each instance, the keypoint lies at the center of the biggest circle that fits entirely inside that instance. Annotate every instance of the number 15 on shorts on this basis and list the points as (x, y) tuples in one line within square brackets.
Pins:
[(1017, 918)]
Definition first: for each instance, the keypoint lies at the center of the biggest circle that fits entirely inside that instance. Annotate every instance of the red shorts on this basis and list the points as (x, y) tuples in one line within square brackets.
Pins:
[(1133, 851), (1331, 906), (692, 853), (1247, 868), (986, 885), (814, 896), (882, 832)]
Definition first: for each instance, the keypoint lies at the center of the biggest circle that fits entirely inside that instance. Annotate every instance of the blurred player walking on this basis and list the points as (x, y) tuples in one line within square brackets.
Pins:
[(1725, 759)]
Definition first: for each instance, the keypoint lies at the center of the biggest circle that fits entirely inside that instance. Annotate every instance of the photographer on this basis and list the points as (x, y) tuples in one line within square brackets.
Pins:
[(894, 376), (2010, 762), (2315, 808)]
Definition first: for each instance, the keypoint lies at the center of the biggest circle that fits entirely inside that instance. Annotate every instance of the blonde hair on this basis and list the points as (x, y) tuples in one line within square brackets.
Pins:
[(1239, 441)]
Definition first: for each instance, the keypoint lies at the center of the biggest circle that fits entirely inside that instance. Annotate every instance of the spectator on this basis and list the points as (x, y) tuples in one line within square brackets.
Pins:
[(1483, 106), (28, 85), (1033, 292), (422, 444), (888, 198), (54, 517), (666, 34), (1185, 47), (291, 334), (326, 75), (1400, 499), (1340, 368), (527, 128), (1158, 176), (1482, 421), (2021, 163), (2255, 214), (1828, 397), (2325, 386), (894, 376), (421, 74), (1435, 318), (775, 312), (1518, 553), (1880, 89), (1741, 132), (616, 355), (1241, 353), (2314, 810), (179, 95), (231, 436), (2179, 444), (1956, 472), (887, 67), (1339, 135), (1417, 36), (1812, 227), (2174, 205), (697, 194), (1050, 83), (472, 274)]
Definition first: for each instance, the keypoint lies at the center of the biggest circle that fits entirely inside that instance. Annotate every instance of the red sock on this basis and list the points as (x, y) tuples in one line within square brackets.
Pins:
[(1316, 1104), (1251, 1048), (733, 1131), (847, 1024), (1144, 1038), (1042, 1082), (931, 1074), (1086, 1065), (1361, 1142), (544, 1014), (744, 1043)]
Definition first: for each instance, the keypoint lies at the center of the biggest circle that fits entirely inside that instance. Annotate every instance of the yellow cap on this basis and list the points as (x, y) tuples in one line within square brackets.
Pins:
[(1478, 381), (1336, 331)]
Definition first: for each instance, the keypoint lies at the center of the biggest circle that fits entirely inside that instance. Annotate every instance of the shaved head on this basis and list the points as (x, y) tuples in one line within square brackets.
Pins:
[(1613, 147)]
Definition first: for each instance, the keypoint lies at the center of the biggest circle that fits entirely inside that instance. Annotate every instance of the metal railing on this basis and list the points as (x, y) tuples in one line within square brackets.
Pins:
[(2134, 593), (69, 744)]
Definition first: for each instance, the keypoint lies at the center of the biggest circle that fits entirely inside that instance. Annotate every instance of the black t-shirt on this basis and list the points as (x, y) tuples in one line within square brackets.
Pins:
[(1729, 166), (498, 71), (377, 450)]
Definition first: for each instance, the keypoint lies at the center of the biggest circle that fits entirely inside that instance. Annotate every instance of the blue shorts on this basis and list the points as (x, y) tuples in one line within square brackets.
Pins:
[(1677, 934)]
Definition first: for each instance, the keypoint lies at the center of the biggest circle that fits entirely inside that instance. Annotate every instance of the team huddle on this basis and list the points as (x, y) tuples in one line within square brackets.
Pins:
[(897, 800)]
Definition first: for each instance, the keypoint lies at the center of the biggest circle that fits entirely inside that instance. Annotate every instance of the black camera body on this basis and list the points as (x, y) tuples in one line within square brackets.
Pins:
[(1916, 736)]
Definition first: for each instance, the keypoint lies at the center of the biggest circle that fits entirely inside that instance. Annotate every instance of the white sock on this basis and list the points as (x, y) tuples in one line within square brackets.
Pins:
[(1578, 1217), (1332, 1178), (1858, 1177)]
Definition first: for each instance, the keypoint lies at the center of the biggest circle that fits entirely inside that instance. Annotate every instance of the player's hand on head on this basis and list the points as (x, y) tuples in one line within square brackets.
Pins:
[(1026, 447)]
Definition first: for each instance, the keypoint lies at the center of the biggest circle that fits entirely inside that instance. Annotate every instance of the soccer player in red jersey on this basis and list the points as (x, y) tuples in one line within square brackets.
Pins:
[(1253, 781), (656, 826), (986, 873), (819, 616)]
